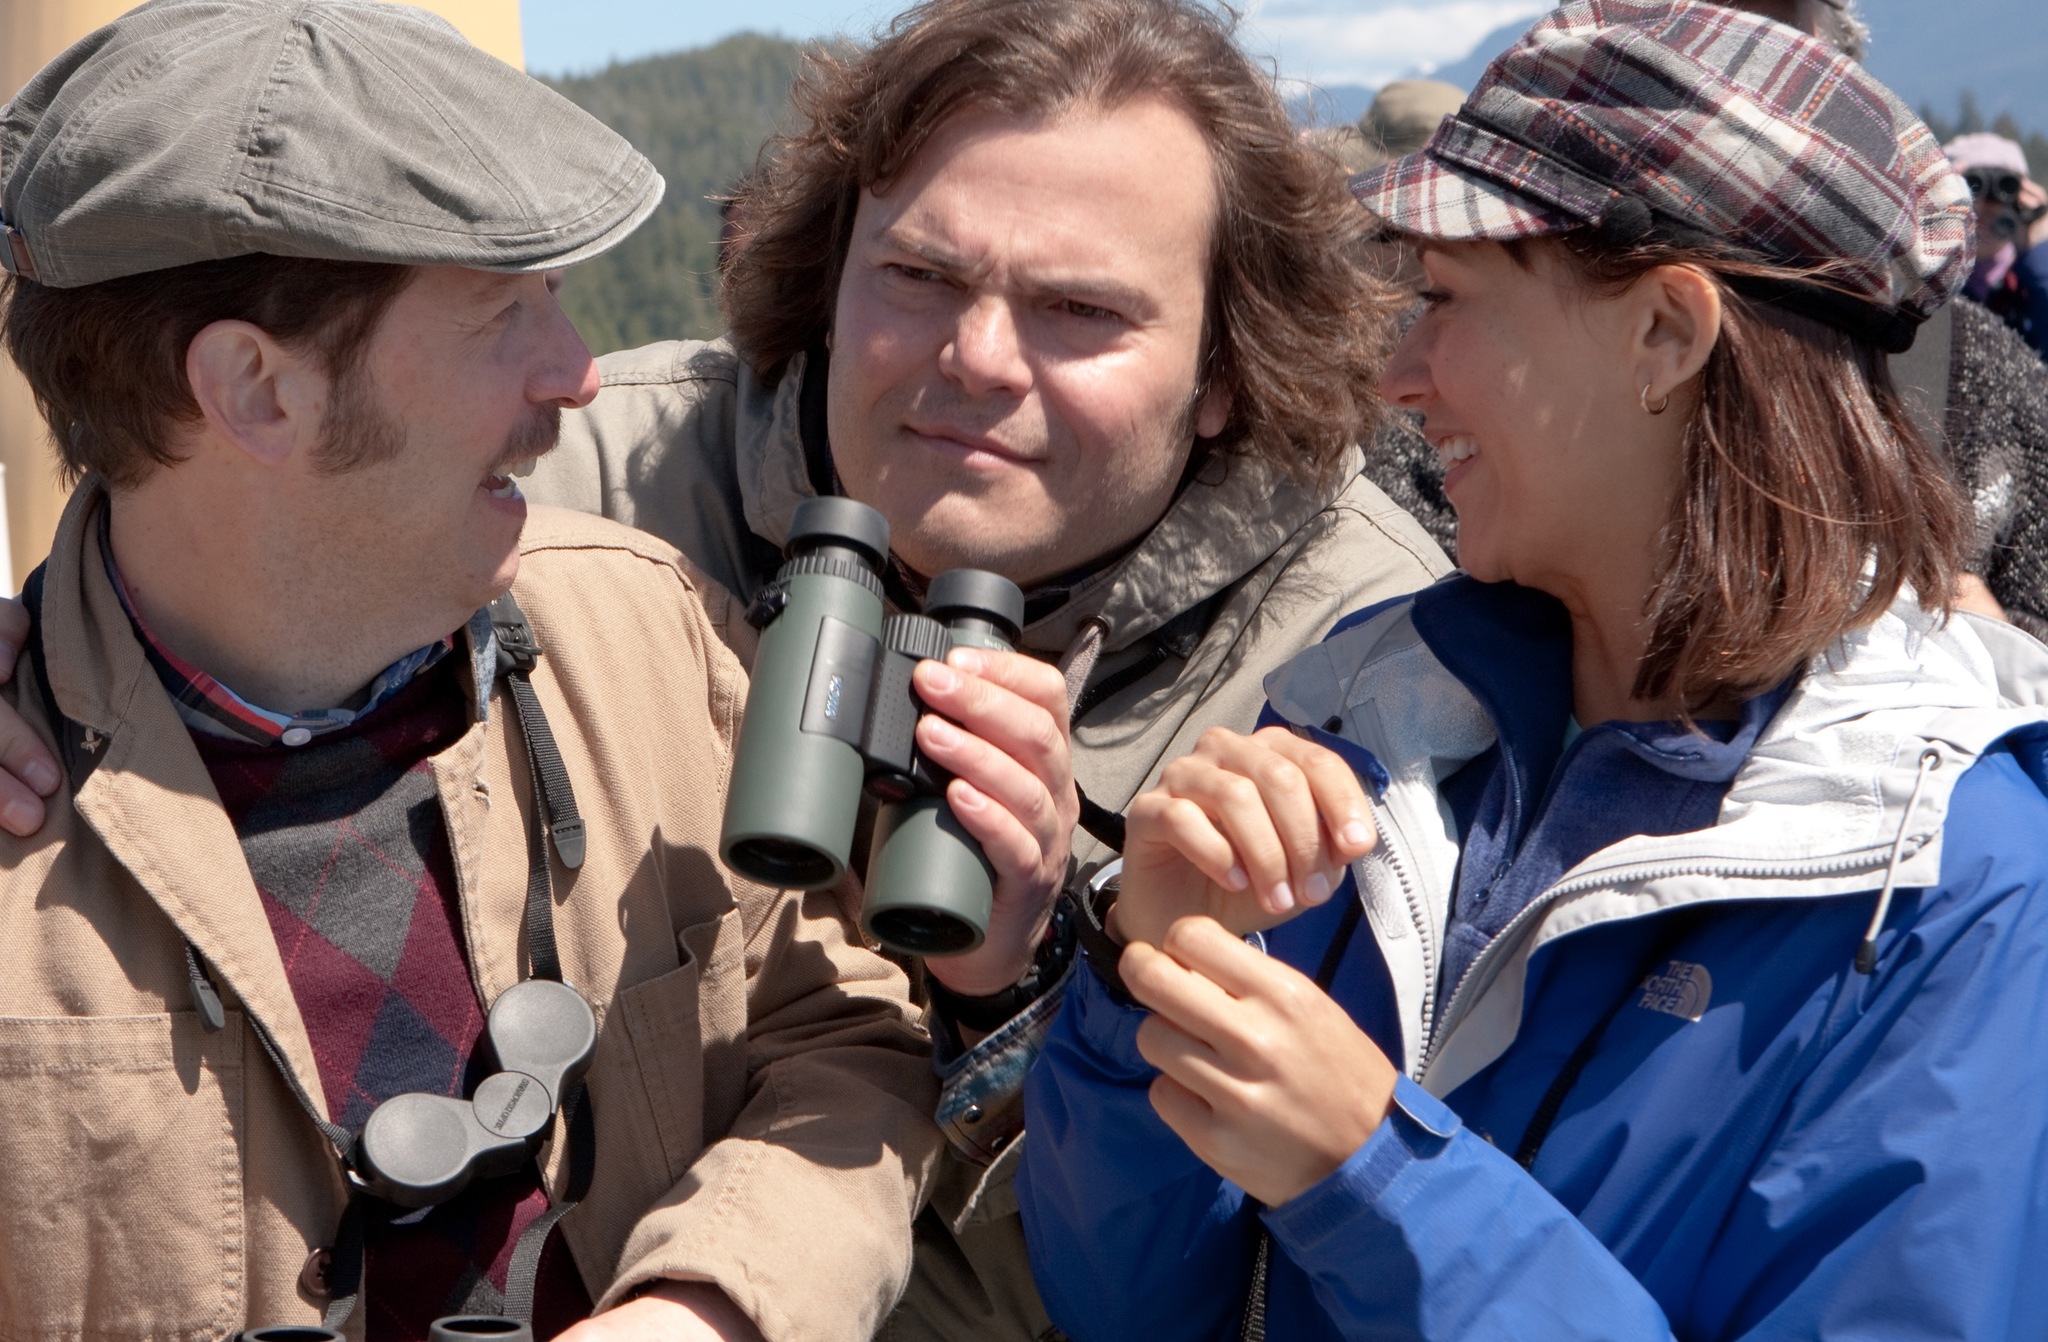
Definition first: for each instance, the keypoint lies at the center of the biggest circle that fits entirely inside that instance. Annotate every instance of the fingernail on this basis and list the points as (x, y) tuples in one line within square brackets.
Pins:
[(967, 659), (940, 678), (942, 732), (1236, 879), (41, 776), (1283, 897), (1357, 834), (1316, 888), (19, 817)]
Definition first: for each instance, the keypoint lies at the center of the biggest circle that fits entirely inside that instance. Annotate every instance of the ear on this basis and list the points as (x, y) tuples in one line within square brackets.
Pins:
[(1213, 413), (255, 394), (1678, 326)]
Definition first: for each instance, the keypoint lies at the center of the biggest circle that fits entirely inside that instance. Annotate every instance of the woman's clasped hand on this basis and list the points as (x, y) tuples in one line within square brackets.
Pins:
[(1261, 1074)]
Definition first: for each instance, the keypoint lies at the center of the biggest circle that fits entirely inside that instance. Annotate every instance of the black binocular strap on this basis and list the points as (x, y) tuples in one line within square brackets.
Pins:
[(524, 1270), (555, 819)]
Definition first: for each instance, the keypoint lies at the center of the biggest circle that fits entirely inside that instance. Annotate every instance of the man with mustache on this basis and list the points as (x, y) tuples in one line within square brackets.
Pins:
[(374, 963)]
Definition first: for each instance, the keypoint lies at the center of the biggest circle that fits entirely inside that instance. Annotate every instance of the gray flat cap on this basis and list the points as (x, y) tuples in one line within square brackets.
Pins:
[(349, 130)]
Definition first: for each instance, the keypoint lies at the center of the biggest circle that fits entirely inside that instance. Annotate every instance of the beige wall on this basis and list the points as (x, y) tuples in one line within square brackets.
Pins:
[(31, 33)]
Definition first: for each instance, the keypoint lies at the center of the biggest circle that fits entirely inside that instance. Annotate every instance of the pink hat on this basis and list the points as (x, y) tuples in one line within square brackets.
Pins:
[(1985, 150)]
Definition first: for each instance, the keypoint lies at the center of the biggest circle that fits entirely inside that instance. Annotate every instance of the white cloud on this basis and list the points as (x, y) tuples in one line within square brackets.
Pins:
[(1372, 41)]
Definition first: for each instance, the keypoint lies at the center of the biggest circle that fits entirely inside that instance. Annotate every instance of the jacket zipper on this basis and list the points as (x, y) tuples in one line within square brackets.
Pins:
[(1439, 1025), (1418, 915)]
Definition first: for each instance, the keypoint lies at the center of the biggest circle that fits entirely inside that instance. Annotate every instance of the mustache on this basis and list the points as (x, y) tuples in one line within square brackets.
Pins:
[(534, 436)]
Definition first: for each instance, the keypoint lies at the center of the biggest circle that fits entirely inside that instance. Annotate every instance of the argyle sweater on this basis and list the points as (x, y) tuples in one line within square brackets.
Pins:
[(345, 838)]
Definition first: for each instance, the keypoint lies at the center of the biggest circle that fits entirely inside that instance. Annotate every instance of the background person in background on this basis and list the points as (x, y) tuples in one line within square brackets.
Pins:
[(284, 289), (1400, 121), (1975, 387), (2011, 277), (1053, 285), (1713, 1019)]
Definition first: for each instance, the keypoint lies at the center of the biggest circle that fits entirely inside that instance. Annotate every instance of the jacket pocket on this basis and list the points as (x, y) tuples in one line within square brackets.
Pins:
[(685, 1030), (120, 1177)]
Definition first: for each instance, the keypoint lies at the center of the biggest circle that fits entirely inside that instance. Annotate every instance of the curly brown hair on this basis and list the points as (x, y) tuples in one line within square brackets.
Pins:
[(1299, 320)]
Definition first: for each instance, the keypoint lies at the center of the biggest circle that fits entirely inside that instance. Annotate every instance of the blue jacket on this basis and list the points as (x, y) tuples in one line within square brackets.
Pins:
[(1740, 1134)]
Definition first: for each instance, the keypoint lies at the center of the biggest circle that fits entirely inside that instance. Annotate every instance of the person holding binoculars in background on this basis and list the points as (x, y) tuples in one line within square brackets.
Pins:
[(375, 963), (2011, 276)]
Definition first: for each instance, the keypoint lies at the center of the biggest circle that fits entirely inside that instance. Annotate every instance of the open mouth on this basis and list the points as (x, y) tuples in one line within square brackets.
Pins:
[(506, 485), (1454, 448)]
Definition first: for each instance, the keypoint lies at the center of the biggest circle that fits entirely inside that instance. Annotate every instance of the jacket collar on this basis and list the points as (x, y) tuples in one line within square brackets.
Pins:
[(1813, 812), (1234, 516)]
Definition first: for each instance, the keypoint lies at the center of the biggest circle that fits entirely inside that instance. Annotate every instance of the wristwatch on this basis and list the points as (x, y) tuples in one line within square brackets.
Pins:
[(1101, 950)]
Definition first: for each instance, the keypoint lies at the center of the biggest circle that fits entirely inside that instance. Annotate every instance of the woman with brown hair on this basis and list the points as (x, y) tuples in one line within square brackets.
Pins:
[(1629, 936)]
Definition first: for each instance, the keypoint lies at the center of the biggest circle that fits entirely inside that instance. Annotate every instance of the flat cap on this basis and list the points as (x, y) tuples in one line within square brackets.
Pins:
[(1705, 125), (347, 130)]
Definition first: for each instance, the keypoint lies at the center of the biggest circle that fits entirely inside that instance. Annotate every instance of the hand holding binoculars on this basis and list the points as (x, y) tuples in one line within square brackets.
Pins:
[(2003, 188), (831, 713), (419, 1149)]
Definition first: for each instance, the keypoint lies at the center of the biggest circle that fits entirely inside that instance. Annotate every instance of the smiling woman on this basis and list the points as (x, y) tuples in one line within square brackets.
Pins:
[(1677, 993), (1787, 500)]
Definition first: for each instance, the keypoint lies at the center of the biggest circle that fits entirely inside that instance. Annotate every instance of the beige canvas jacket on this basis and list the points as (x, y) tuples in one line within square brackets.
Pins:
[(1247, 569), (761, 1094)]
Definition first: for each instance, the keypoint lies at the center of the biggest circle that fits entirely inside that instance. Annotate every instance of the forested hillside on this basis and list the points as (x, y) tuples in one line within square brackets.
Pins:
[(701, 116)]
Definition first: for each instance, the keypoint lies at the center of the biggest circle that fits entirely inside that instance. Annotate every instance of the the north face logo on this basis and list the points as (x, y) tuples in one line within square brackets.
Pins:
[(1682, 990)]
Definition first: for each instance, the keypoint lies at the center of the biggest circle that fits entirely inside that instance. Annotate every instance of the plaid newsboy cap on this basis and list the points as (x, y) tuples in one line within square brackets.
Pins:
[(1700, 125), (345, 130)]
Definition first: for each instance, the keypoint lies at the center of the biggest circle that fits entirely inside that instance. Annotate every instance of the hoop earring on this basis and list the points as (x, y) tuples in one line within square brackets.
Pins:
[(1657, 409)]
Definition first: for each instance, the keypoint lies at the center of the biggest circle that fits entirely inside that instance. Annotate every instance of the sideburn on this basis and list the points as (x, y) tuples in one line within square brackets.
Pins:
[(356, 432)]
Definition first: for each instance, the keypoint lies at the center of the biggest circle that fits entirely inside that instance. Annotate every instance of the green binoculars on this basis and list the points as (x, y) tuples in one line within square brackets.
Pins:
[(831, 715)]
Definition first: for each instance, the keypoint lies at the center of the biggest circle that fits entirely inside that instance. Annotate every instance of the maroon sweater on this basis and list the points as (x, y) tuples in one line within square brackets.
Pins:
[(347, 843)]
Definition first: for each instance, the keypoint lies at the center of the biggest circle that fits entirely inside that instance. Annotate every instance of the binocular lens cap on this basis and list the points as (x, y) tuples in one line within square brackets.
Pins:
[(976, 593), (836, 521)]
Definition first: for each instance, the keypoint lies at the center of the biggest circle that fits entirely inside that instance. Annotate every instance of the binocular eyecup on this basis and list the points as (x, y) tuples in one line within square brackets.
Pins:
[(454, 1328)]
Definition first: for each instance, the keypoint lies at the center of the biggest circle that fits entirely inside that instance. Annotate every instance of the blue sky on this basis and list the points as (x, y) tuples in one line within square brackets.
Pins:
[(1347, 42), (1929, 50)]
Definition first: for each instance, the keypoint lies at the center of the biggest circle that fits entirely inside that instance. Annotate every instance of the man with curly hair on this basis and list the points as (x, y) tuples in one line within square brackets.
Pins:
[(1051, 284)]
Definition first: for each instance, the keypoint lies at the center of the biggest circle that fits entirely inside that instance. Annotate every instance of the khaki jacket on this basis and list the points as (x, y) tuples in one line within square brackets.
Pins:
[(1247, 569), (761, 1094)]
